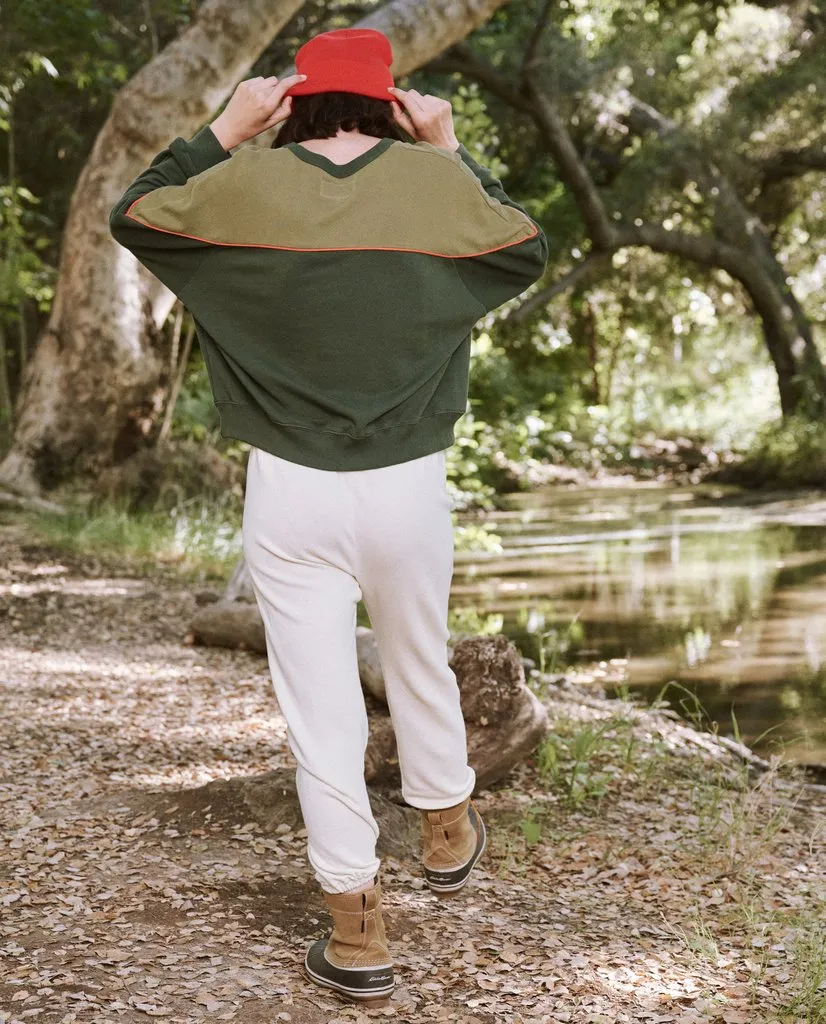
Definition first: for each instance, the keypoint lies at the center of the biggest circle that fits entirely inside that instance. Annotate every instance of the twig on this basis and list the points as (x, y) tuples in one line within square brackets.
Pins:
[(535, 39), (587, 271), (177, 384), (30, 503)]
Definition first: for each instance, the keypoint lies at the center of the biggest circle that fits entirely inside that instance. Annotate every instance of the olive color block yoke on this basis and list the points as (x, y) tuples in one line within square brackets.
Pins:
[(334, 303)]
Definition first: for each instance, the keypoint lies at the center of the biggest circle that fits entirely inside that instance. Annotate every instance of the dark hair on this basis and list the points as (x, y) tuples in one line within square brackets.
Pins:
[(320, 115)]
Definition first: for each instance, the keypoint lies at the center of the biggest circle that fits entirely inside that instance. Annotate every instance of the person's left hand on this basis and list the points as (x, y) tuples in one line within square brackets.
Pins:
[(425, 118), (257, 104)]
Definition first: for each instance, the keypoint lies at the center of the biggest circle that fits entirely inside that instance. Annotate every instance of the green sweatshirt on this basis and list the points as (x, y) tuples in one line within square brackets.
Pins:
[(334, 304)]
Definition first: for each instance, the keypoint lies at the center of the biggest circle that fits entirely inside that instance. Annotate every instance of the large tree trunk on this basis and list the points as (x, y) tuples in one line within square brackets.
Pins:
[(801, 376), (94, 383), (94, 386)]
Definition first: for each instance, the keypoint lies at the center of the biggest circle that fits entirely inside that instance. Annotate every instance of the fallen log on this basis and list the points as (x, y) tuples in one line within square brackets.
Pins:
[(504, 719), (225, 623)]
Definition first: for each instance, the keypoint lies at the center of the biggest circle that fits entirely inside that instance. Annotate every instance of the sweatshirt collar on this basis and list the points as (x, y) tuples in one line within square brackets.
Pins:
[(340, 170)]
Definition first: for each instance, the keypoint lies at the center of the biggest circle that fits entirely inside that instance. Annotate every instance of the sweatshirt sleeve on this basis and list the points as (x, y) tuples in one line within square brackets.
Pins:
[(172, 258), (497, 276)]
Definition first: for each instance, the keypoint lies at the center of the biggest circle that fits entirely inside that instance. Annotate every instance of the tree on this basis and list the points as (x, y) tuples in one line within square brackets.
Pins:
[(618, 179), (93, 389)]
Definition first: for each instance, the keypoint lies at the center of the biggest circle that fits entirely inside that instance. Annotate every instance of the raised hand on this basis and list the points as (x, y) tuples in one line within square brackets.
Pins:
[(257, 104), (426, 118)]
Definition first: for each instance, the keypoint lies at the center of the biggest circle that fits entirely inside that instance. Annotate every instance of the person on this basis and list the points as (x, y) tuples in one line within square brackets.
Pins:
[(334, 279)]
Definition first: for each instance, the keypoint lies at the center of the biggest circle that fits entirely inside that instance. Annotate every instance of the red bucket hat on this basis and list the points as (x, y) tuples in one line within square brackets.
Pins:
[(345, 60)]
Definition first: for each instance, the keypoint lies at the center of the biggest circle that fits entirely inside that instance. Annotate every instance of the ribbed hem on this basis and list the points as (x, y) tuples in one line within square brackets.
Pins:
[(339, 452), (442, 800)]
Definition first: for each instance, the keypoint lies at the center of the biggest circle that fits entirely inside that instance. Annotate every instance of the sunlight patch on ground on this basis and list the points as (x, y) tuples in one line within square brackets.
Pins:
[(79, 587)]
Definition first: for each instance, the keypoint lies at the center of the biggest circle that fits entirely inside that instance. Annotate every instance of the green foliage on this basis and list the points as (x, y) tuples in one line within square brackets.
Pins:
[(66, 60), (788, 453), (809, 959), (531, 828), (196, 417), (23, 273), (554, 644), (653, 348), (574, 757), (196, 540)]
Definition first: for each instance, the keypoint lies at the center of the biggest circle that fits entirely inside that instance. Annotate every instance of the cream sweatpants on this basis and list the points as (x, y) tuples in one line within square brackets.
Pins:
[(316, 542)]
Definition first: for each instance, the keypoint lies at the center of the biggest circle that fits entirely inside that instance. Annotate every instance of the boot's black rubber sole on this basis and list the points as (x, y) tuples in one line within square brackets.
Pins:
[(362, 984), (452, 880)]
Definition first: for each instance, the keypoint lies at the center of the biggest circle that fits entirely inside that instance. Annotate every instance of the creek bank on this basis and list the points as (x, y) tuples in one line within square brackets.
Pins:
[(636, 871)]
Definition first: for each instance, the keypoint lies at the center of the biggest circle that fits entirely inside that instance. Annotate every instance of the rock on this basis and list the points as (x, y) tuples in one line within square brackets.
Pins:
[(504, 719), (229, 624), (490, 676), (370, 671), (381, 763)]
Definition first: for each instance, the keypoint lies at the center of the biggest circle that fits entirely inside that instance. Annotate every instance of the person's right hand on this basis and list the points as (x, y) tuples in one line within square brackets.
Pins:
[(426, 118), (256, 104)]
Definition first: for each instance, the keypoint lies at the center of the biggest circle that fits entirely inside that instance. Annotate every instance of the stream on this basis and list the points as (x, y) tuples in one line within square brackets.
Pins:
[(701, 594)]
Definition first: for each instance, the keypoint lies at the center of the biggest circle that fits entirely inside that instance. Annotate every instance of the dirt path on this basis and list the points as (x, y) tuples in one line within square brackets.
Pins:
[(656, 893)]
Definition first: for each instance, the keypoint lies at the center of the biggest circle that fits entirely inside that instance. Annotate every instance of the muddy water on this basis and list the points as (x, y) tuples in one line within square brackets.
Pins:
[(703, 591)]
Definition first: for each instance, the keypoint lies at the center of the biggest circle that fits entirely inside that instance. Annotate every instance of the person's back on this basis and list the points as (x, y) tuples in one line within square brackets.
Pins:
[(335, 279)]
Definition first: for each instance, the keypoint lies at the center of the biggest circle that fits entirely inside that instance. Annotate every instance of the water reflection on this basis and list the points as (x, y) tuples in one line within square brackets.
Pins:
[(686, 584)]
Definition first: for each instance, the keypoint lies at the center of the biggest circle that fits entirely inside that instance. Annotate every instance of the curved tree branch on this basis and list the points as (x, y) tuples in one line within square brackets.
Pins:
[(571, 167), (462, 59), (791, 163), (589, 270), (533, 100)]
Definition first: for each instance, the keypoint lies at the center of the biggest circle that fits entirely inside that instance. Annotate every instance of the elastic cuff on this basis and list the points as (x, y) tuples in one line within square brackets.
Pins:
[(344, 883), (427, 802), (202, 151)]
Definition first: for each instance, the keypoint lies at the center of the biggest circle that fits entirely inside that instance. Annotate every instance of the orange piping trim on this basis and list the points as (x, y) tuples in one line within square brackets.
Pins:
[(340, 248)]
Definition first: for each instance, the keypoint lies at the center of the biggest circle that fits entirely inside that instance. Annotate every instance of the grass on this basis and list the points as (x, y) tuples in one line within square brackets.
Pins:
[(531, 828), (805, 937), (809, 953), (738, 817), (579, 759), (729, 827), (555, 643), (699, 939), (196, 540), (570, 763)]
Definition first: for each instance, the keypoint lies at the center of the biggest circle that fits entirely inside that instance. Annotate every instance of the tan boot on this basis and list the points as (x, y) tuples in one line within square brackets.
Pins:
[(453, 839), (354, 960)]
